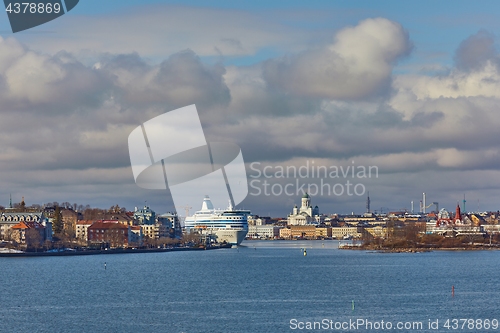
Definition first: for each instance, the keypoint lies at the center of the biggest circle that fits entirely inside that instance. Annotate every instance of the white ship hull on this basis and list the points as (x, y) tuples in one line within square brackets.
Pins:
[(229, 236), (233, 237)]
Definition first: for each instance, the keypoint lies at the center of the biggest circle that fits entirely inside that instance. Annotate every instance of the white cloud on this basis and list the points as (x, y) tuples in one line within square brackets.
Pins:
[(357, 65), (483, 82), (180, 80), (31, 79)]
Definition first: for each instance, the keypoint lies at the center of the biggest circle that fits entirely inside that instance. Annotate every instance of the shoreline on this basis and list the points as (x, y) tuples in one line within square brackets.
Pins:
[(111, 251), (418, 250), (485, 247)]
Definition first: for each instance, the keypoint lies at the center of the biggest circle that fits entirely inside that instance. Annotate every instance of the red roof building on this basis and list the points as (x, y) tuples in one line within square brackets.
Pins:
[(114, 233), (22, 233)]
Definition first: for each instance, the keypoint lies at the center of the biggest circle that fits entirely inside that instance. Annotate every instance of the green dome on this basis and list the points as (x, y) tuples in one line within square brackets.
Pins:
[(306, 196)]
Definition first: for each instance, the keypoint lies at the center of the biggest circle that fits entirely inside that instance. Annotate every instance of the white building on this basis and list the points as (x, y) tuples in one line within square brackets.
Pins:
[(263, 231), (492, 229), (82, 229), (258, 220), (170, 221), (306, 214)]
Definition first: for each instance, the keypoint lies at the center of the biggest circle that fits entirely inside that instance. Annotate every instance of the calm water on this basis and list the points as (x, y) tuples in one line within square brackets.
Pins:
[(259, 287)]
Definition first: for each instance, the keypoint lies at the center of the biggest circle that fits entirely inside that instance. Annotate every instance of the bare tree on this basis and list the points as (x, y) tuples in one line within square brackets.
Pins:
[(11, 237), (191, 238), (33, 238), (47, 245)]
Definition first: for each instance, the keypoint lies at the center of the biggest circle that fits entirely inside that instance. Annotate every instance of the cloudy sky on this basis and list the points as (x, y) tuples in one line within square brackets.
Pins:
[(411, 88)]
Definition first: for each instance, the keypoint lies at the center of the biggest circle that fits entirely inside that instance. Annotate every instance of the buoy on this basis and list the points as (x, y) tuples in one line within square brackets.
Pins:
[(352, 305), (104, 265), (305, 252), (452, 291)]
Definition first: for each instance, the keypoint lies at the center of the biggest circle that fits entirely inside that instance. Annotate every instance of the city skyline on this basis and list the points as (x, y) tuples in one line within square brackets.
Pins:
[(408, 88)]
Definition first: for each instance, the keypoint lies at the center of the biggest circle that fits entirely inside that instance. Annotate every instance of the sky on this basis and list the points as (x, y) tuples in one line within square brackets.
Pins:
[(408, 90)]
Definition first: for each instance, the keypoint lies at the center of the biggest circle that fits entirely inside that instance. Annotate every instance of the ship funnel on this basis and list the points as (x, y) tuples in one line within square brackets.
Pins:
[(207, 204)]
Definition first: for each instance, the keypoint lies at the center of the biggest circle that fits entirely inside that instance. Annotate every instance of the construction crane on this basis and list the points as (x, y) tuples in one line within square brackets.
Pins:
[(187, 208), (434, 203)]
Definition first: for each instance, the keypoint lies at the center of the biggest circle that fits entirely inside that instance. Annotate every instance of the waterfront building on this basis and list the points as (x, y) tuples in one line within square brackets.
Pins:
[(314, 232), (263, 231), (81, 228), (166, 225), (114, 233), (171, 223), (145, 215), (306, 214), (323, 232), (154, 231), (31, 233), (377, 231), (491, 229), (298, 231), (136, 235), (10, 219), (345, 232), (5, 228)]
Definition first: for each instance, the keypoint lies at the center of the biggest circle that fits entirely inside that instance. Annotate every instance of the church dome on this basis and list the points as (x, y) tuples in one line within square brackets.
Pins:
[(306, 196)]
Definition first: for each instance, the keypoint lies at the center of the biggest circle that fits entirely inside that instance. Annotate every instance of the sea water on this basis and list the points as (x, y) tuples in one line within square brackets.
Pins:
[(261, 286)]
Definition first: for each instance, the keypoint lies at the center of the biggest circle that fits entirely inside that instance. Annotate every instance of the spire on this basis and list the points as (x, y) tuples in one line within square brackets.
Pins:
[(10, 202), (368, 203), (458, 214)]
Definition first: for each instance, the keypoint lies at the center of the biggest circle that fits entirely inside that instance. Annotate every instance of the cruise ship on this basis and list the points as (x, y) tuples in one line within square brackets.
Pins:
[(228, 225)]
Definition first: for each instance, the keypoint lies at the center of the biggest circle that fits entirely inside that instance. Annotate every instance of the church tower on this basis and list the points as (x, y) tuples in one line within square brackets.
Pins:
[(458, 214), (306, 201)]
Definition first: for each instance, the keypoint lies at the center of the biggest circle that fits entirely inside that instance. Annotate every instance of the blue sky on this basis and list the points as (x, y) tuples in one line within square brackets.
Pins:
[(408, 86)]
